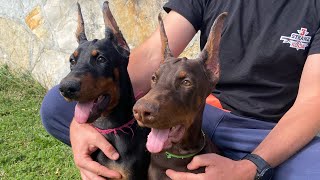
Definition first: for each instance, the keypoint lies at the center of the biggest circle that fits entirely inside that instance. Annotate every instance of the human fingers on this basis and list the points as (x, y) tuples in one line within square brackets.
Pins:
[(83, 176), (87, 175), (85, 140), (92, 139), (202, 160), (106, 147), (174, 175), (87, 164)]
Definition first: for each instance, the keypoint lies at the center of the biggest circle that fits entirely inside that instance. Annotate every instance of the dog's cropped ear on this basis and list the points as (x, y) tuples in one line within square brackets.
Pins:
[(111, 25), (210, 54), (80, 33), (165, 50)]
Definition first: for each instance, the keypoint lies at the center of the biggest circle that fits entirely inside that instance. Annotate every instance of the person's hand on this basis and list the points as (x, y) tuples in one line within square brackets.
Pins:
[(216, 168), (84, 141)]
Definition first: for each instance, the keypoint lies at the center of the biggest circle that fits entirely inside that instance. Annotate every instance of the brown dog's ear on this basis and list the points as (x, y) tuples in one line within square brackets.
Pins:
[(111, 24), (80, 33), (165, 50), (210, 54)]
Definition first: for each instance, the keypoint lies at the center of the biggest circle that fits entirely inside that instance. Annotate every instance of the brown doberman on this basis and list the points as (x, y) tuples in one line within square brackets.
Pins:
[(99, 81), (174, 106)]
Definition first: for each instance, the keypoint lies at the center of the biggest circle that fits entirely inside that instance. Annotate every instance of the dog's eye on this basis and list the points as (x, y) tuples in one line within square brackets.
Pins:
[(101, 59), (186, 82), (72, 61), (154, 78)]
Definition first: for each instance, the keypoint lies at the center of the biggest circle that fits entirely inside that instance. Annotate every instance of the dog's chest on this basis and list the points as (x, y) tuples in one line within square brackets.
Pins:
[(134, 159)]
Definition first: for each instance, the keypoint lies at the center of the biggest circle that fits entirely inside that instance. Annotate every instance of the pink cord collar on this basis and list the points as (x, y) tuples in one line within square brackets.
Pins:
[(121, 128), (127, 125)]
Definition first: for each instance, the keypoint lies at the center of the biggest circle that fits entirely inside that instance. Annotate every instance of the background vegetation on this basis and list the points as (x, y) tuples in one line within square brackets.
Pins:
[(27, 151)]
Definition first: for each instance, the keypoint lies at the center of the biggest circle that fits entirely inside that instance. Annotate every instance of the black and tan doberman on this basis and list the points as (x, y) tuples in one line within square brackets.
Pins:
[(174, 106), (100, 83)]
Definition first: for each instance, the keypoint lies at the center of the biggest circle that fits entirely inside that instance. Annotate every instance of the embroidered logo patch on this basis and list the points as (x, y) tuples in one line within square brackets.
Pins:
[(298, 40)]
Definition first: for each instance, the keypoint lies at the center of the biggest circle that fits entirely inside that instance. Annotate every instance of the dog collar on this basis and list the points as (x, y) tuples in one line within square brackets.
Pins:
[(171, 155), (114, 130)]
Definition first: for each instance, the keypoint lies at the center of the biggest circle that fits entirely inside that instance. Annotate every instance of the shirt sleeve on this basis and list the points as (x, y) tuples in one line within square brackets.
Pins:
[(315, 44), (192, 10)]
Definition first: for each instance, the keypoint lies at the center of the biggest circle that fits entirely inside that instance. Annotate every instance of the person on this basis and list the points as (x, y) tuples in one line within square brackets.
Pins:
[(268, 91)]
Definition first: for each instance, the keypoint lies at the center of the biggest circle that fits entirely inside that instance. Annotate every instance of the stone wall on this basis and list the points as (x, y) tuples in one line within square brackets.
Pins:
[(37, 36)]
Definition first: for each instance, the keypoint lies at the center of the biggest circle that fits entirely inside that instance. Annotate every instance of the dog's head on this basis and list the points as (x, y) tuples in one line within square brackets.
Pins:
[(95, 67), (178, 91)]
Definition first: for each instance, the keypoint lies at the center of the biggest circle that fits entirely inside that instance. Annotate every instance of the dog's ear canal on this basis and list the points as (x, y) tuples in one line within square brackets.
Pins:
[(210, 54), (165, 50), (111, 25), (80, 33)]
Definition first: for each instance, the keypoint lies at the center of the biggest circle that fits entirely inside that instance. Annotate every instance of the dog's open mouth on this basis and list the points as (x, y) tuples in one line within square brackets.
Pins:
[(91, 110), (162, 139)]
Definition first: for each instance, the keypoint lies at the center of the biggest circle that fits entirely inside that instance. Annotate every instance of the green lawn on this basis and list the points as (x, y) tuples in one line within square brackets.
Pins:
[(26, 149)]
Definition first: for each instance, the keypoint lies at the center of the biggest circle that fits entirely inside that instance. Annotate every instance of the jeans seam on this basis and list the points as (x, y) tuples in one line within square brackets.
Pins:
[(216, 126)]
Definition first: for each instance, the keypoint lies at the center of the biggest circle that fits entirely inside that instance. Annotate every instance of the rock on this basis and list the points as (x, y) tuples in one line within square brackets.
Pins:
[(38, 36)]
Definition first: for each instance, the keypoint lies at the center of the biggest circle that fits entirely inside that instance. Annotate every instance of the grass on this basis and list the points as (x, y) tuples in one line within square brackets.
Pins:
[(27, 151)]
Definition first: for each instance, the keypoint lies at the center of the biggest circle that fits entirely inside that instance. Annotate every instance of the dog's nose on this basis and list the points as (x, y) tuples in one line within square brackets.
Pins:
[(145, 112), (70, 88)]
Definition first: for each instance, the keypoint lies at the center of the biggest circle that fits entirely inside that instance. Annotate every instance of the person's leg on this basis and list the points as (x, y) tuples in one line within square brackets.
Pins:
[(236, 136), (303, 165), (56, 115)]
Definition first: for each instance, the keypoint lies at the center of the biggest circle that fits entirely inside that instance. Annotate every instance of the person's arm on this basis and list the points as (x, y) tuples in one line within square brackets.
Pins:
[(295, 129), (145, 59), (301, 123)]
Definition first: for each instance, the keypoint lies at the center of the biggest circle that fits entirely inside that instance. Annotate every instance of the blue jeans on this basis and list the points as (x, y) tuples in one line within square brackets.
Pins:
[(235, 136)]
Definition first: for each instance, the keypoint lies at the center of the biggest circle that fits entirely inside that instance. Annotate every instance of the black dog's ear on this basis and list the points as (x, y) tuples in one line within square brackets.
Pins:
[(80, 33), (111, 26), (165, 50), (210, 54)]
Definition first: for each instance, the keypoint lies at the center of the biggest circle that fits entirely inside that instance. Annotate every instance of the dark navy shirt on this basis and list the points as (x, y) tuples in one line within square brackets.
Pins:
[(264, 46)]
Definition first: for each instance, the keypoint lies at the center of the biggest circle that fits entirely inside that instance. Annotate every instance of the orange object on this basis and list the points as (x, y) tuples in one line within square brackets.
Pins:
[(213, 101)]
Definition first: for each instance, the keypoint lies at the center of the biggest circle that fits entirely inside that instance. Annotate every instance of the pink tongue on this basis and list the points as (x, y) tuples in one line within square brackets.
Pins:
[(82, 111), (156, 139)]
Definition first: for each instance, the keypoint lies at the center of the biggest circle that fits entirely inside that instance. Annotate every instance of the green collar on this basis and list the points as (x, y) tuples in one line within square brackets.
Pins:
[(170, 155)]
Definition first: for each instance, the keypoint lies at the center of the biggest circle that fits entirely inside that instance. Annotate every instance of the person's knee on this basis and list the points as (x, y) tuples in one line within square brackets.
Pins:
[(56, 114), (47, 110)]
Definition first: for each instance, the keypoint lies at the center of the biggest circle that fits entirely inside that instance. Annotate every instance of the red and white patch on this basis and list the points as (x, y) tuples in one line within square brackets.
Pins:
[(298, 40)]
